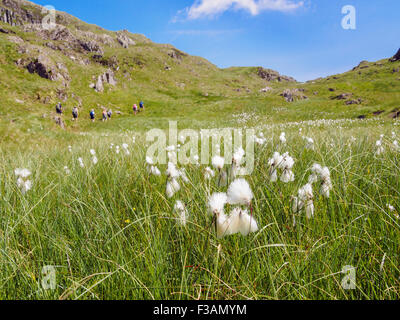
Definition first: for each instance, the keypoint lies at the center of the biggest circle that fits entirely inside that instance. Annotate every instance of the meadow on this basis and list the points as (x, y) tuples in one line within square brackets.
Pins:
[(109, 230), (83, 217)]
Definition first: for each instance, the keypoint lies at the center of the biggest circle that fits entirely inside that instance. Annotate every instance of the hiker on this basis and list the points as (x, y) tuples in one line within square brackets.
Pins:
[(141, 104), (59, 108), (109, 114), (104, 115), (135, 109), (92, 115), (75, 113)]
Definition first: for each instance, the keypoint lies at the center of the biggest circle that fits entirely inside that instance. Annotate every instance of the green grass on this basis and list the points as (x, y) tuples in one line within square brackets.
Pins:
[(109, 229), (111, 233)]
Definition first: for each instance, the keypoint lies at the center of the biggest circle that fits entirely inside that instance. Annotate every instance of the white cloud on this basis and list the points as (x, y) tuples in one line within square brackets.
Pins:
[(204, 8)]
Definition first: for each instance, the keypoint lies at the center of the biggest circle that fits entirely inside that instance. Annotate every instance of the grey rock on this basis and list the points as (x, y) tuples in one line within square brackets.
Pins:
[(342, 96), (46, 68), (291, 95), (124, 40), (271, 75), (351, 102), (266, 89), (107, 77)]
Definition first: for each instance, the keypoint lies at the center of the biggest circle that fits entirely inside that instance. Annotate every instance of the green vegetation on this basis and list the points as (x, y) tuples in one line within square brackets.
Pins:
[(109, 229)]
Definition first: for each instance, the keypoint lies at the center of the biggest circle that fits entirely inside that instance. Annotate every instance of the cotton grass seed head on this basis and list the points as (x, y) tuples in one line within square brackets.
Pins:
[(180, 209), (217, 202), (208, 173), (218, 162), (239, 193), (22, 173)]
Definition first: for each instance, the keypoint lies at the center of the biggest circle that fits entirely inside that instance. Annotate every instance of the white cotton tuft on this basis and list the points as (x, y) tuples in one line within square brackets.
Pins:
[(80, 160), (324, 175), (396, 146), (239, 193), (239, 221), (180, 209), (92, 152), (282, 138), (274, 163), (172, 171), (247, 224), (172, 188), (390, 207), (222, 225), (286, 164), (23, 185), (260, 141), (23, 173), (208, 173), (95, 160), (217, 202), (287, 176), (149, 161), (218, 162), (379, 147), (305, 199), (172, 156), (154, 171), (238, 156), (297, 205), (310, 143), (313, 178), (310, 209)]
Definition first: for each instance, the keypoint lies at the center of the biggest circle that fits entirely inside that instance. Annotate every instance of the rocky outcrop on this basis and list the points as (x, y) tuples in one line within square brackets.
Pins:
[(342, 96), (104, 39), (111, 62), (292, 95), (355, 101), (45, 68), (124, 40), (271, 75), (66, 40), (396, 57), (14, 14), (176, 54), (6, 31), (107, 77), (362, 65)]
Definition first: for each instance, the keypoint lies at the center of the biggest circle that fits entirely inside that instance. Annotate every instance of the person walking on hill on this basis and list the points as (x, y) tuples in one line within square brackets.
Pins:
[(59, 108), (109, 114), (104, 115), (75, 114), (92, 115), (141, 105), (135, 109)]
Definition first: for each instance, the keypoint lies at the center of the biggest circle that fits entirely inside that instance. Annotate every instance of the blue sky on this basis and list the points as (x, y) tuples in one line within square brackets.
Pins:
[(303, 39)]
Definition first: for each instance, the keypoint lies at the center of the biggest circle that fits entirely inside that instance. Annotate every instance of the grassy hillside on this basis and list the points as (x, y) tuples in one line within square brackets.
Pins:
[(109, 227)]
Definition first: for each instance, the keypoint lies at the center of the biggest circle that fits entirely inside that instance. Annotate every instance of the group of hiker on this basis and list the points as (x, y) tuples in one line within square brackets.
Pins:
[(106, 114)]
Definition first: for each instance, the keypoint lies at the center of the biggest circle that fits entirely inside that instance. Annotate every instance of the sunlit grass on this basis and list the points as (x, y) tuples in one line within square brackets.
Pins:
[(111, 232)]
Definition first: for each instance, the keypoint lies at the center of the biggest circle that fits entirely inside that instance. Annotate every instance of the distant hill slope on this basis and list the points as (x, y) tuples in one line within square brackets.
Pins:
[(87, 66), (84, 64)]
